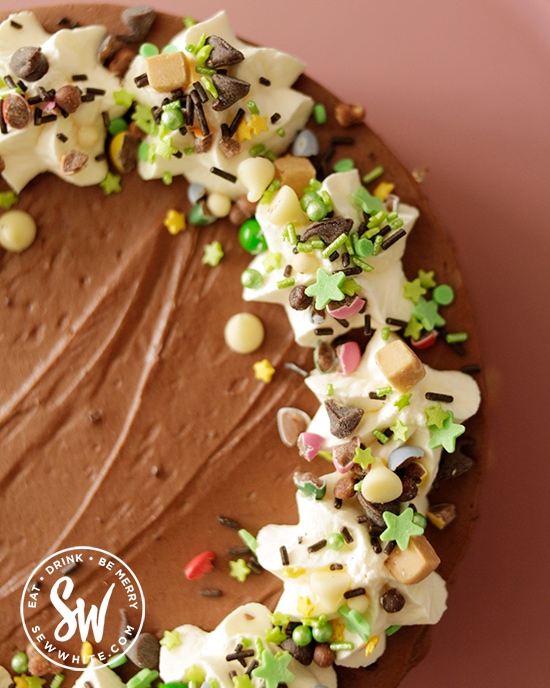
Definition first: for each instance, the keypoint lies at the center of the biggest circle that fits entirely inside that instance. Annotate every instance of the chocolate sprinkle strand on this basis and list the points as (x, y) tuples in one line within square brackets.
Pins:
[(253, 664), (141, 80), (436, 396), (201, 117), (356, 592), (336, 567), (264, 81), (211, 592), (10, 82), (223, 174), (79, 77), (240, 655), (348, 537), (236, 121), (15, 25), (323, 331), (275, 117), (317, 546), (229, 522), (395, 236), (285, 561), (396, 322)]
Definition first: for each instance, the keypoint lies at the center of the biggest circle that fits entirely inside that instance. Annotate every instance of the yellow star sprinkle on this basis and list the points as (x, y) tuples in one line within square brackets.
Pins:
[(174, 221), (258, 124), (20, 681), (305, 606), (383, 190), (263, 370), (338, 628), (244, 131)]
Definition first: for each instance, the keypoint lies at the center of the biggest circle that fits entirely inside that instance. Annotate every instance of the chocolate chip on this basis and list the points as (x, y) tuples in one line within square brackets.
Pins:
[(323, 656), (304, 654), (410, 489), (120, 61), (144, 653), (392, 601), (324, 357), (29, 63), (68, 98), (230, 90), (16, 111), (457, 463), (139, 21), (73, 162), (202, 144), (229, 147), (223, 54), (298, 299), (328, 229), (108, 49), (343, 419)]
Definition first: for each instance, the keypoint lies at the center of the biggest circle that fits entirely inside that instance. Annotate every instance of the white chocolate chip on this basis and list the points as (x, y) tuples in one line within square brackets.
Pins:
[(244, 333), (286, 208), (218, 204), (17, 230), (381, 485), (256, 174)]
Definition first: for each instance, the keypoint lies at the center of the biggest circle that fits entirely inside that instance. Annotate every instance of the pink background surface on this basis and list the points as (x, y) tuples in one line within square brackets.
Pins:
[(462, 86)]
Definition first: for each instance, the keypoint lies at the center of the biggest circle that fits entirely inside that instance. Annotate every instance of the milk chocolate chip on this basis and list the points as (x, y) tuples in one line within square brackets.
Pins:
[(29, 63)]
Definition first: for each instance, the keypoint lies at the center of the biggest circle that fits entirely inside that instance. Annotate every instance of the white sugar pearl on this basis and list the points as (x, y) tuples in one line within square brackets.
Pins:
[(244, 333), (17, 230), (256, 174), (218, 204), (381, 485)]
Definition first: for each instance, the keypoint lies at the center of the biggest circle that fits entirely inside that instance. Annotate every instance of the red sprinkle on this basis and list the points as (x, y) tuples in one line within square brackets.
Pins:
[(200, 565)]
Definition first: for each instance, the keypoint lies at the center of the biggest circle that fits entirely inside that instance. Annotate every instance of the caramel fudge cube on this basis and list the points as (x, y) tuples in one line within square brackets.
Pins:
[(414, 563), (294, 171), (400, 365), (168, 71)]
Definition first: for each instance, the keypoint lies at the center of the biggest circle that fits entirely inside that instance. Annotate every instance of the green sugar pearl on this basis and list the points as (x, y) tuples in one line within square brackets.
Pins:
[(251, 279), (20, 662), (301, 635), (335, 541)]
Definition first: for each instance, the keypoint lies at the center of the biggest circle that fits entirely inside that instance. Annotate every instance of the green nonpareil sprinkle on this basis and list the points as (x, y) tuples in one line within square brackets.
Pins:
[(378, 241), (385, 333), (304, 247), (325, 455), (8, 199), (248, 539), (167, 178), (361, 264), (456, 337), (342, 647), (189, 150), (377, 219), (334, 245), (397, 223), (319, 113), (252, 107), (375, 173), (285, 283), (256, 150), (203, 54), (188, 22), (390, 630), (207, 71), (58, 679), (115, 661), (281, 132), (380, 436), (384, 391), (209, 87), (330, 390), (291, 233)]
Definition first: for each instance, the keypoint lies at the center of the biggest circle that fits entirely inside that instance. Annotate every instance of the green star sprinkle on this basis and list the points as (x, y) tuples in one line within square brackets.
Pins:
[(446, 435), (242, 681), (400, 528), (403, 400), (326, 288), (350, 287), (367, 202), (363, 457), (436, 415), (275, 635), (355, 623), (414, 328), (239, 570), (273, 669), (195, 673), (427, 279), (213, 253), (427, 313), (400, 431), (271, 261), (123, 98), (111, 184), (279, 619), (34, 681), (413, 290), (170, 640)]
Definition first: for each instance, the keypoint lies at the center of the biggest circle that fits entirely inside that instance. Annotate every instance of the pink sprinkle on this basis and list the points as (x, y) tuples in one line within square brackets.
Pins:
[(344, 312), (200, 565), (309, 444), (50, 105), (349, 355)]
